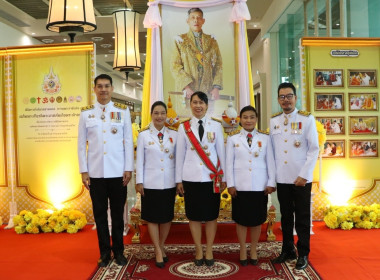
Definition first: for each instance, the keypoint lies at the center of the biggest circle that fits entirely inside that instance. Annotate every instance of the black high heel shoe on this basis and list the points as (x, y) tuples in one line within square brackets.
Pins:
[(209, 262), (160, 264), (198, 262), (166, 259), (243, 262), (253, 261)]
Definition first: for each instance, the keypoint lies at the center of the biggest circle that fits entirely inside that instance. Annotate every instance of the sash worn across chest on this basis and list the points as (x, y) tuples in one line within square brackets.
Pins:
[(216, 172)]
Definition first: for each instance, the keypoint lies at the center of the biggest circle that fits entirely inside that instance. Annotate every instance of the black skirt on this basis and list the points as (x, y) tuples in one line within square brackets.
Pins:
[(249, 208), (157, 206), (201, 203)]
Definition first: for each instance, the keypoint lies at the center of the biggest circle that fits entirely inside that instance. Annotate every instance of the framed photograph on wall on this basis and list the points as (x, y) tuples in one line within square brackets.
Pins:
[(334, 149), (328, 77), (333, 125), (363, 101), (329, 102), (363, 125), (364, 148), (362, 78)]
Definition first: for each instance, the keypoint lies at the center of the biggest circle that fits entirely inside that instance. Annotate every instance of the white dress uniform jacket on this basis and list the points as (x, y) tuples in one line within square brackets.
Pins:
[(109, 140), (189, 166), (250, 168), (295, 146), (155, 164)]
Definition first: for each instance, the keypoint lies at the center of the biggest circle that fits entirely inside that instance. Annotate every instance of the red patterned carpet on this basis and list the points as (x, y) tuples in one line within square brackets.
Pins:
[(141, 265), (335, 254)]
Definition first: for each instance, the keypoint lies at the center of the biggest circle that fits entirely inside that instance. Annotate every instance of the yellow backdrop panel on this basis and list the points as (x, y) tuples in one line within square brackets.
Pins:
[(349, 179), (50, 89), (2, 125)]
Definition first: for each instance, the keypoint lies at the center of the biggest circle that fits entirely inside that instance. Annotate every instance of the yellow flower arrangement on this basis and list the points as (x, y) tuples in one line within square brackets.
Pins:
[(348, 217), (179, 206), (225, 201), (135, 133), (68, 220), (321, 136)]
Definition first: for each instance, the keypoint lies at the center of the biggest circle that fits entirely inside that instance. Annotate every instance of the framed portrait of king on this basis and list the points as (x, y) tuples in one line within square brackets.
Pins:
[(198, 54)]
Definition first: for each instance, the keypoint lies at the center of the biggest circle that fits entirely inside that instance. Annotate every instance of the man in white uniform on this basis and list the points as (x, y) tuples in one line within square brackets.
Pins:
[(105, 152), (295, 144)]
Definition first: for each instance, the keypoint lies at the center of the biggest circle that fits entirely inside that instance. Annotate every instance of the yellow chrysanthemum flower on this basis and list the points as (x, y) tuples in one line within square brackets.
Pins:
[(346, 225)]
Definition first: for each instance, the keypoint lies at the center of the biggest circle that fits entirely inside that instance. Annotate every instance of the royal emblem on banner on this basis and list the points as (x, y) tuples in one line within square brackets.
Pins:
[(51, 83)]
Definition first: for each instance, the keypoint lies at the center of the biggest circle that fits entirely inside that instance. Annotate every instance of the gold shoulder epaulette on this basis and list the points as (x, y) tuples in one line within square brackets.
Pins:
[(88, 107), (145, 128), (275, 115), (185, 120), (234, 132), (263, 131), (120, 106), (217, 120), (172, 128), (304, 113)]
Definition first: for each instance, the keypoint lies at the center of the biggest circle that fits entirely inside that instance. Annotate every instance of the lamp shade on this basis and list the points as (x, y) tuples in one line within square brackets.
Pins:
[(127, 54), (71, 16)]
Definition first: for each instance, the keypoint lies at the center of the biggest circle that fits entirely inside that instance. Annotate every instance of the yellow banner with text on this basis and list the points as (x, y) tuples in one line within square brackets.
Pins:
[(50, 88)]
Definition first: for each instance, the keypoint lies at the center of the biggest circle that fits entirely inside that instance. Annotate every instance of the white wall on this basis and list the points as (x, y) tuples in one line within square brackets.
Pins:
[(10, 37), (261, 72)]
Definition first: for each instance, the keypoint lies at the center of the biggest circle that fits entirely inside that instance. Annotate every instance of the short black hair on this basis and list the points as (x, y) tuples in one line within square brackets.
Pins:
[(193, 10), (158, 103), (201, 95), (103, 76), (286, 85), (248, 108)]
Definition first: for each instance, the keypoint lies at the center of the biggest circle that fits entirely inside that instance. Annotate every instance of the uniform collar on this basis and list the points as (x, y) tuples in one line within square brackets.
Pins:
[(195, 120), (245, 133), (154, 130), (197, 34), (106, 106), (292, 114)]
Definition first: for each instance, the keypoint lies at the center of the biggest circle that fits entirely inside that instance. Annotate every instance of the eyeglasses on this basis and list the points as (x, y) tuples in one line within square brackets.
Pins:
[(288, 96)]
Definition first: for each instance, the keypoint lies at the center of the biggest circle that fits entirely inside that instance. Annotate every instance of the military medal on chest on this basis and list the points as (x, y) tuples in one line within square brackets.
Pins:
[(103, 116), (296, 127), (286, 121), (297, 143), (160, 137), (260, 145), (115, 117), (211, 137)]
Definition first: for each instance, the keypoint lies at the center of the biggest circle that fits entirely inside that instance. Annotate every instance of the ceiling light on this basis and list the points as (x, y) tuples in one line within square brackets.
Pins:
[(127, 54), (97, 39), (47, 41), (106, 46), (70, 18)]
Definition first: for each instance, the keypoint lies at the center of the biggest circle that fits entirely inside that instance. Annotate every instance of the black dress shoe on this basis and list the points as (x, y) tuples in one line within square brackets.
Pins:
[(253, 261), (209, 262), (160, 264), (120, 260), (284, 256), (198, 262), (302, 262), (104, 260), (166, 259), (243, 262)]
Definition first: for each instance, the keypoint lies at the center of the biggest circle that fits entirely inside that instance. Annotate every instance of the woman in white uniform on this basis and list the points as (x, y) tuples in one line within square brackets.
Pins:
[(200, 146), (250, 178), (155, 178)]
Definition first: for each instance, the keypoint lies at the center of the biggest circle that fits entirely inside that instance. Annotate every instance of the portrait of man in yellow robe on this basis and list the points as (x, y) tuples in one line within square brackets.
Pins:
[(196, 62)]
